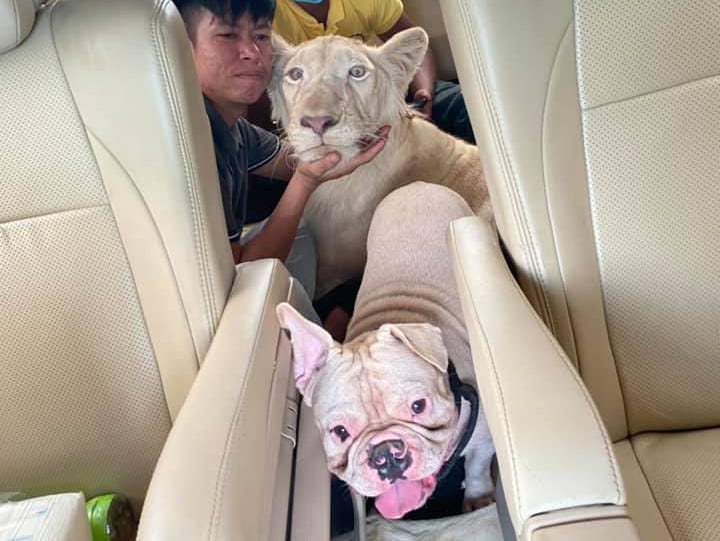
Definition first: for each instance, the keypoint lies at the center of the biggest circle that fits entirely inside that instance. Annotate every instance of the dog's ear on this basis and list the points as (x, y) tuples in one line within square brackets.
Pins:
[(403, 53), (423, 339), (310, 346)]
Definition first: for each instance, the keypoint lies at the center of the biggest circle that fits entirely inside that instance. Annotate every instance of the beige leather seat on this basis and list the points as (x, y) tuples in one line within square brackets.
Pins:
[(599, 127), (122, 312)]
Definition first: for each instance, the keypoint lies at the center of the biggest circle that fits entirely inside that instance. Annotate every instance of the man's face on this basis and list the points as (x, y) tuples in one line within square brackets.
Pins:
[(233, 61)]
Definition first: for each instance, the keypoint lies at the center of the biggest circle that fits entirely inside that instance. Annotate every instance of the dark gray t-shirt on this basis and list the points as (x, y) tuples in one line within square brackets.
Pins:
[(238, 149)]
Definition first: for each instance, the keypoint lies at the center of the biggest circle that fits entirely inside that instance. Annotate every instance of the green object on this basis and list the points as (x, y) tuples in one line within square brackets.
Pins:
[(111, 518)]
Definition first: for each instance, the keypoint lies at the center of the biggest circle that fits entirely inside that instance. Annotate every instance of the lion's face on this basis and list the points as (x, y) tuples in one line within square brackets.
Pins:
[(334, 93)]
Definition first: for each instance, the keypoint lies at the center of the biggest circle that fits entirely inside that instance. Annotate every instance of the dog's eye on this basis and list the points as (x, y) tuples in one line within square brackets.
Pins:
[(358, 72), (295, 74), (418, 406), (341, 432)]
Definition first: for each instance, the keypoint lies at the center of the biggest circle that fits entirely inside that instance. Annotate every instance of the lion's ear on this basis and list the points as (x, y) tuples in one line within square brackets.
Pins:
[(403, 53), (279, 45), (282, 51)]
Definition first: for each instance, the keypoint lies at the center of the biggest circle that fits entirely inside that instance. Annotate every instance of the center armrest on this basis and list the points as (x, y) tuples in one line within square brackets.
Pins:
[(552, 448), (217, 471)]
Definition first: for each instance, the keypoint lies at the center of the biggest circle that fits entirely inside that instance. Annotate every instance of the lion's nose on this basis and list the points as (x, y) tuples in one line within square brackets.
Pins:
[(319, 124), (390, 458)]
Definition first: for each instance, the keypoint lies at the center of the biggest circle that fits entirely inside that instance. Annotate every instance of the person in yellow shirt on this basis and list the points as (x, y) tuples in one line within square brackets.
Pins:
[(375, 21)]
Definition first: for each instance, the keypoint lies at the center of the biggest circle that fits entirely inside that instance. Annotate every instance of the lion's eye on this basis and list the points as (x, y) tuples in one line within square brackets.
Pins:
[(418, 406), (341, 432), (358, 72), (295, 74)]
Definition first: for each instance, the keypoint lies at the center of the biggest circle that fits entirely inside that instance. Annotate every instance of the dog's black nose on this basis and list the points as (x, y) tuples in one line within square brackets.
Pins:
[(390, 458)]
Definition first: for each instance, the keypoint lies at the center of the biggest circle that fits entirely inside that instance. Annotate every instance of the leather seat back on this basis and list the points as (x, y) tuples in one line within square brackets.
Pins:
[(113, 254), (599, 127)]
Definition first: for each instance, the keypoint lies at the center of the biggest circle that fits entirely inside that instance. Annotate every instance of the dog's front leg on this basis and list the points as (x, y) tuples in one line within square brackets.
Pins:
[(479, 489)]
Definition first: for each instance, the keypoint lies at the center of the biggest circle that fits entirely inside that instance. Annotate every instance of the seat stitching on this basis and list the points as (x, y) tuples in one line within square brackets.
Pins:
[(53, 213), (221, 479), (508, 432), (200, 225), (651, 92), (596, 261), (647, 481), (191, 185), (165, 250), (568, 366), (516, 198), (547, 193), (107, 203), (17, 22)]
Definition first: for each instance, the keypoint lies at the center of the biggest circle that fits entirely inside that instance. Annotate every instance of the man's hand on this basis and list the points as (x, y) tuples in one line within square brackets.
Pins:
[(424, 95), (326, 168)]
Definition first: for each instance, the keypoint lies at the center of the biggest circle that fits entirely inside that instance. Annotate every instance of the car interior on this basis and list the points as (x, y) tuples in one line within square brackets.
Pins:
[(138, 359)]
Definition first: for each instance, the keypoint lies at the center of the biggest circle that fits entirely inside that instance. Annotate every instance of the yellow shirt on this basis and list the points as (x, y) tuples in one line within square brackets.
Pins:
[(365, 19)]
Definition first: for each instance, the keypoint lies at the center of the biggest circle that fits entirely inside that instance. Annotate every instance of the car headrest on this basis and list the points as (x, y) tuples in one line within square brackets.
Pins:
[(16, 21)]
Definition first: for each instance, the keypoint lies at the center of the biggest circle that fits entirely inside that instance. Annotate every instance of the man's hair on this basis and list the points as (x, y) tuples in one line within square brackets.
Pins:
[(228, 10)]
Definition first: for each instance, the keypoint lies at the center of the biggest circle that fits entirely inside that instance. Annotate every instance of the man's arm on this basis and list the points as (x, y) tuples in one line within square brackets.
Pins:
[(276, 237), (422, 84), (279, 168)]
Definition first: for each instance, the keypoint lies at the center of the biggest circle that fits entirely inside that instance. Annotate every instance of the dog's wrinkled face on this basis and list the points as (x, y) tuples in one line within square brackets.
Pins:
[(334, 93), (382, 404)]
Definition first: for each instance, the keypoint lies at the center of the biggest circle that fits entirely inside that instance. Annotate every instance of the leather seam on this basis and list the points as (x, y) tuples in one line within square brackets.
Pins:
[(158, 39), (568, 366), (653, 92), (167, 257), (17, 22), (54, 213), (107, 205), (621, 385), (576, 377), (240, 401), (157, 229), (516, 199), (647, 482), (553, 234), (506, 422)]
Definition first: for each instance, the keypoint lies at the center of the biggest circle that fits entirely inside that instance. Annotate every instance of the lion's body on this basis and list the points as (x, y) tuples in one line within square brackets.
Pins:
[(340, 211), (352, 90)]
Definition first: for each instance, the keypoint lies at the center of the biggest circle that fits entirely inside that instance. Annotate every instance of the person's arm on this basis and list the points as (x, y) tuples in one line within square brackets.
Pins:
[(277, 235), (422, 84), (279, 168)]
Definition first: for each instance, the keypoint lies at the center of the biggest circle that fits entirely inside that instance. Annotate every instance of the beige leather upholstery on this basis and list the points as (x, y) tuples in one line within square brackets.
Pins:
[(16, 21), (219, 463), (113, 254), (542, 469), (598, 125), (230, 471), (312, 483), (596, 523)]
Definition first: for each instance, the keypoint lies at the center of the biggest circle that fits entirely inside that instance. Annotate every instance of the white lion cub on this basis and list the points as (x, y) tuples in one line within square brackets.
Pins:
[(333, 94)]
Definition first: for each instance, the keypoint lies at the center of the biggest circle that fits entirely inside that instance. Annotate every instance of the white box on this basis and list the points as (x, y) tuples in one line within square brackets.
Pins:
[(61, 517)]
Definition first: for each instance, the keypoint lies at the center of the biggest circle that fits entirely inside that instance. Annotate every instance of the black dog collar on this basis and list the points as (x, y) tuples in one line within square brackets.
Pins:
[(460, 390)]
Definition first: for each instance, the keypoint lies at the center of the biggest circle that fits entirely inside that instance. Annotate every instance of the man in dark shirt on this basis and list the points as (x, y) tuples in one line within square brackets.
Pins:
[(233, 58)]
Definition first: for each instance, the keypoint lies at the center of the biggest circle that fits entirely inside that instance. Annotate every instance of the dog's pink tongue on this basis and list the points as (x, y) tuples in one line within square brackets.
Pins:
[(401, 498)]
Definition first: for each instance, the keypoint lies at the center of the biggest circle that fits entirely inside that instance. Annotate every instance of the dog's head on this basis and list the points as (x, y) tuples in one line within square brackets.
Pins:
[(383, 406), (334, 93)]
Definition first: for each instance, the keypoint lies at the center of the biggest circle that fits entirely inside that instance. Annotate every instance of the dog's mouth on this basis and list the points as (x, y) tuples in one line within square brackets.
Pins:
[(404, 496)]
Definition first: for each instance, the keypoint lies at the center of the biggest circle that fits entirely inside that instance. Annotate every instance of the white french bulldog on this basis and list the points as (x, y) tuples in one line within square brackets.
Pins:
[(383, 400)]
